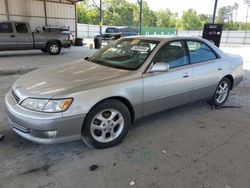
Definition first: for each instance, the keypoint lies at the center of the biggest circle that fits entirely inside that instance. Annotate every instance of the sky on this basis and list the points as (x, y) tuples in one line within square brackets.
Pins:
[(201, 6)]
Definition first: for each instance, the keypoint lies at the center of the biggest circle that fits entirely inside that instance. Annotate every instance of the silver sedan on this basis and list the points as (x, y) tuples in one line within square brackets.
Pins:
[(97, 99)]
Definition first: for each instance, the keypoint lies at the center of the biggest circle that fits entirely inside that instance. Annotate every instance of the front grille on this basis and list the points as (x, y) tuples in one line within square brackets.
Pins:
[(20, 128), (15, 96)]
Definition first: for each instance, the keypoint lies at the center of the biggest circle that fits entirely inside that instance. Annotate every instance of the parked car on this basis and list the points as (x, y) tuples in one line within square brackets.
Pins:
[(58, 29), (109, 34), (18, 36), (97, 99), (128, 31)]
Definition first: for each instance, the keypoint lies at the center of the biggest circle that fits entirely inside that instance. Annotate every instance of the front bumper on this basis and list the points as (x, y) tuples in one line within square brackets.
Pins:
[(32, 125)]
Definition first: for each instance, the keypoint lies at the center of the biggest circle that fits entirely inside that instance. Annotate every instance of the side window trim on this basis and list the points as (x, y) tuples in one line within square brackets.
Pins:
[(189, 57)]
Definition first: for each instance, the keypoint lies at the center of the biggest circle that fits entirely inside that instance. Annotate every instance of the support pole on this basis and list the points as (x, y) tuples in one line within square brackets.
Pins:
[(76, 20), (100, 17), (140, 27), (215, 8), (247, 16), (45, 13), (7, 10)]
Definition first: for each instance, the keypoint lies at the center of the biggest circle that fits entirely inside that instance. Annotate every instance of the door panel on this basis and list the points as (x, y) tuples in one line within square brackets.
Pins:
[(24, 38), (7, 37), (166, 90), (206, 70), (206, 76)]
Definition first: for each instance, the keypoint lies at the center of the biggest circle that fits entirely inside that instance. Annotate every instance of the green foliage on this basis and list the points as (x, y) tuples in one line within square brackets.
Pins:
[(124, 12), (149, 17), (190, 20), (117, 13), (86, 13), (165, 18)]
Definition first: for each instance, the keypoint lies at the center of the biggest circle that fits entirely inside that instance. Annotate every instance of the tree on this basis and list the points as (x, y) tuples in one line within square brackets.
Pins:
[(236, 6), (165, 18), (82, 16), (225, 14), (87, 13), (205, 18), (247, 2), (148, 16), (190, 20), (118, 12)]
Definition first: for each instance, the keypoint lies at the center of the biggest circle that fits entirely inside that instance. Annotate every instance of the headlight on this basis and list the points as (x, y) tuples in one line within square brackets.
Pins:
[(47, 105)]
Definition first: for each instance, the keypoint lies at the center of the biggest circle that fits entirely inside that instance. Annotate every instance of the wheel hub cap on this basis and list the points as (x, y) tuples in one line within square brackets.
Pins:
[(107, 125), (222, 92)]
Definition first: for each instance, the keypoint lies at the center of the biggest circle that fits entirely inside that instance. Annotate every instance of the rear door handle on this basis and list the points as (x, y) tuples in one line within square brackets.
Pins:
[(185, 75), (219, 69), (12, 36)]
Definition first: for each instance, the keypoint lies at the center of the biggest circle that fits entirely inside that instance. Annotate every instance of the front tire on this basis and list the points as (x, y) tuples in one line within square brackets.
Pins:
[(54, 48), (222, 92), (106, 124)]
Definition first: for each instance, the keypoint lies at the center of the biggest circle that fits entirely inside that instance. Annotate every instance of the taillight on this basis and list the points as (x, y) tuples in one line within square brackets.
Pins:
[(70, 37)]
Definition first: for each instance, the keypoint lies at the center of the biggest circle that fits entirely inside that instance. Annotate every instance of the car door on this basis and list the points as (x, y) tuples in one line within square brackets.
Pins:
[(207, 69), (164, 90), (7, 37), (23, 35)]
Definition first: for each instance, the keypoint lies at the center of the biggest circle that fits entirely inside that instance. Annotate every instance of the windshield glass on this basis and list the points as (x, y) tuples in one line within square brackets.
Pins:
[(127, 54)]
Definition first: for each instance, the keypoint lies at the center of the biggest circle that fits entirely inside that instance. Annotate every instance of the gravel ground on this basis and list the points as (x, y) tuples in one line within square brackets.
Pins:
[(191, 146)]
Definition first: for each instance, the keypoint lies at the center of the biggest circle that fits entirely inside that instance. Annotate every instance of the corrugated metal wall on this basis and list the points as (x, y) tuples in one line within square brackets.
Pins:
[(59, 13)]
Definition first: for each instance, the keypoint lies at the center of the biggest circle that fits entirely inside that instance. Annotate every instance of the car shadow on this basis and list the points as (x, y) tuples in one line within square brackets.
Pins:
[(27, 53)]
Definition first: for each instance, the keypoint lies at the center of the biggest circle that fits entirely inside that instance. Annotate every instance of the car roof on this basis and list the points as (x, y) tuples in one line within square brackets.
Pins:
[(13, 22), (165, 37)]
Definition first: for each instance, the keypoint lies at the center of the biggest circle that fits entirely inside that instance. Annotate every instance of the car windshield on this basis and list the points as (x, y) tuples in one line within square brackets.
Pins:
[(127, 54)]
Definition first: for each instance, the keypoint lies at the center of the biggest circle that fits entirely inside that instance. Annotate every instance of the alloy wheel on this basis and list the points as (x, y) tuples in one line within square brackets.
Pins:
[(107, 125), (222, 92)]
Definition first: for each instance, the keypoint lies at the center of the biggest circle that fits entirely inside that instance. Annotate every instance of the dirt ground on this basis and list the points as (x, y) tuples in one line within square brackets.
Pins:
[(188, 147)]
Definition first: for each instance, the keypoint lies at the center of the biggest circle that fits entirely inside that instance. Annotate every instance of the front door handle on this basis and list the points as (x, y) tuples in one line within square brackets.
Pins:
[(12, 36), (185, 75), (219, 69)]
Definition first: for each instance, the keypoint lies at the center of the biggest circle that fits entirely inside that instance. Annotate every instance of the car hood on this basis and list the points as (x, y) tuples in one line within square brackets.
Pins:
[(66, 78)]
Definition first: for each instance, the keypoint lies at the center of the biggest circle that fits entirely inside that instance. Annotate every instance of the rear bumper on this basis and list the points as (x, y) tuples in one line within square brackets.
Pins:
[(66, 44), (33, 125)]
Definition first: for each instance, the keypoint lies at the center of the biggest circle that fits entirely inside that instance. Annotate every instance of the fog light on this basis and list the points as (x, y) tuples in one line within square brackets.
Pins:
[(50, 134)]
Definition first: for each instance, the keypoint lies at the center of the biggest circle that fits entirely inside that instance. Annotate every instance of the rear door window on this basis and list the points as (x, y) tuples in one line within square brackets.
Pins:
[(21, 28), (6, 28), (200, 52)]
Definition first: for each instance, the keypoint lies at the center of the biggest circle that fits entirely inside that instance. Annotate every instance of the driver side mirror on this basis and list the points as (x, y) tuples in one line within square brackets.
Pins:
[(160, 67)]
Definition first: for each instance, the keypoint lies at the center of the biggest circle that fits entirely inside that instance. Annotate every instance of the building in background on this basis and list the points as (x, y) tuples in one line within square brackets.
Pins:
[(40, 13)]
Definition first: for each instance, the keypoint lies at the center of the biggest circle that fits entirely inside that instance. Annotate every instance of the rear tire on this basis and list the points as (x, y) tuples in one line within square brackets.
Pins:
[(222, 92), (106, 124), (54, 48)]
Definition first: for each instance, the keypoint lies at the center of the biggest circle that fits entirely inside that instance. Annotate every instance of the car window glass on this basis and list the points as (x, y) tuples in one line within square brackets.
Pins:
[(6, 28), (127, 54), (109, 30), (200, 52), (173, 53), (21, 28)]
